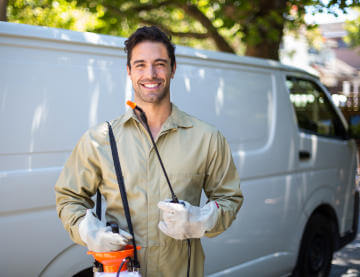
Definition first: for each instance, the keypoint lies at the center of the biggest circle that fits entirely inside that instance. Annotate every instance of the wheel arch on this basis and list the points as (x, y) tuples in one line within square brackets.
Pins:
[(69, 262), (322, 201)]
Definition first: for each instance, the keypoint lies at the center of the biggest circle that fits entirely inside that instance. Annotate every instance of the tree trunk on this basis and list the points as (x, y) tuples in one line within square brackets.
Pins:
[(269, 45), (267, 49), (3, 6)]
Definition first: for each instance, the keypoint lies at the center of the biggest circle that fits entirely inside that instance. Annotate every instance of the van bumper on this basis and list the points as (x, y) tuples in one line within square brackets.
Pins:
[(351, 235)]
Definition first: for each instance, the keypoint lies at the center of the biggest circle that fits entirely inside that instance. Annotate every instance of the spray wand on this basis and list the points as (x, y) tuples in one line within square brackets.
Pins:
[(173, 196), (144, 119)]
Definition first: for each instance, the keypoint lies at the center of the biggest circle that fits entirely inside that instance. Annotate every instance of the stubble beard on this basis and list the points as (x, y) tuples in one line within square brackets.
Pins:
[(155, 97)]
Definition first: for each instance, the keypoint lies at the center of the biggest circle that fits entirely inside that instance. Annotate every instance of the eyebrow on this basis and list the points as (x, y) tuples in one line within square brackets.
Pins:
[(161, 60), (138, 61), (157, 60)]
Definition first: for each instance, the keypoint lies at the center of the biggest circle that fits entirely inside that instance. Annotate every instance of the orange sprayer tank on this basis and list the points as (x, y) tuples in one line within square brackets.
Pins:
[(112, 260)]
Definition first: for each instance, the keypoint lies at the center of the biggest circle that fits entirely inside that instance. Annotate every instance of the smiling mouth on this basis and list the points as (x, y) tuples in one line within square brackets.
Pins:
[(151, 85)]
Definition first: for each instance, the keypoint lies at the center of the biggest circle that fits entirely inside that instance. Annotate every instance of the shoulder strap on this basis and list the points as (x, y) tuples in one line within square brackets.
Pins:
[(121, 184), (98, 204)]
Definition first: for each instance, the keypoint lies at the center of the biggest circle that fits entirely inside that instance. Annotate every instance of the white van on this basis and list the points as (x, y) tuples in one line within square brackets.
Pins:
[(290, 143)]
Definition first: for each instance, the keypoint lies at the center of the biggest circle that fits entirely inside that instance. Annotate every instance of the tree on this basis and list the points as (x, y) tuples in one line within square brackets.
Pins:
[(254, 28), (258, 24), (54, 13), (3, 5), (353, 31)]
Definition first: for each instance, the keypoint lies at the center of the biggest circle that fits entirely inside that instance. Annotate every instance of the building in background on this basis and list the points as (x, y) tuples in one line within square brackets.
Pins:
[(336, 64)]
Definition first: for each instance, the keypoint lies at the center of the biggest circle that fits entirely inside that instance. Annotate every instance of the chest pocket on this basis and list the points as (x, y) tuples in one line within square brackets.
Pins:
[(186, 186)]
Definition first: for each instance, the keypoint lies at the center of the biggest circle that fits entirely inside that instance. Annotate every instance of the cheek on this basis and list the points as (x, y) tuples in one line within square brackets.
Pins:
[(135, 77), (165, 74)]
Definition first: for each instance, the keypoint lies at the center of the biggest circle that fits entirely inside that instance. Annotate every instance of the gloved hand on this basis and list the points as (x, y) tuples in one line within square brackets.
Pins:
[(187, 221), (100, 238)]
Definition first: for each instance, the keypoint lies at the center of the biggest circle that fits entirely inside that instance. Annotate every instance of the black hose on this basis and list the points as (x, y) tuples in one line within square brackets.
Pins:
[(144, 119), (122, 264), (189, 256), (173, 196)]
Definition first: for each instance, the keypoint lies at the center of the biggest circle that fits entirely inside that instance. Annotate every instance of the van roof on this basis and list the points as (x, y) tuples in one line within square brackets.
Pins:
[(87, 38)]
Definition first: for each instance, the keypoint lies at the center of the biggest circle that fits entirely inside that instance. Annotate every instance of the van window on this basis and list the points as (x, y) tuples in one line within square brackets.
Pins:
[(234, 100), (314, 112)]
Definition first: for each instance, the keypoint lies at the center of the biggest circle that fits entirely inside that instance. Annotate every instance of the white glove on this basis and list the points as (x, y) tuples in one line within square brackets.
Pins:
[(187, 221), (100, 238)]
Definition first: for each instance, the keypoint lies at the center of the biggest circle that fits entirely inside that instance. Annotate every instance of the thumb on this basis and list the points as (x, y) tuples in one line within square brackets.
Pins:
[(125, 234)]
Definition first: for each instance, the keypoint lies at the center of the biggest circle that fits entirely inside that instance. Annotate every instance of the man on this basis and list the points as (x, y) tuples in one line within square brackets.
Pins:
[(196, 157)]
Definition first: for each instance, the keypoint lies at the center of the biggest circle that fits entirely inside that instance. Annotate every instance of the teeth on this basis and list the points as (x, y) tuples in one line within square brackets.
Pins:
[(150, 85)]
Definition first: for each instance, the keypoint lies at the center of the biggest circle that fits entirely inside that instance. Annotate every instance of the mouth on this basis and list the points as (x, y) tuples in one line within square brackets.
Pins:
[(152, 85)]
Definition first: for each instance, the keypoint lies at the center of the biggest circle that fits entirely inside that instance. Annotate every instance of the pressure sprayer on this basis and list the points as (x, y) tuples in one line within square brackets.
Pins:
[(173, 196)]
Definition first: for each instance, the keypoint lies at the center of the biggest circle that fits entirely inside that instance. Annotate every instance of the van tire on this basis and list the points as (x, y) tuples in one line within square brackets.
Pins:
[(317, 247), (87, 272)]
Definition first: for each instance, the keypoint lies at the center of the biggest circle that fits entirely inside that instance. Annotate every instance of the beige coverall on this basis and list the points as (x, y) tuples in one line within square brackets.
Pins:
[(196, 156)]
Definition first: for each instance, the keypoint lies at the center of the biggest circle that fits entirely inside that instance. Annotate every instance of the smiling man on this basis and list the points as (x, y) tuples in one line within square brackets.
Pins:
[(196, 156)]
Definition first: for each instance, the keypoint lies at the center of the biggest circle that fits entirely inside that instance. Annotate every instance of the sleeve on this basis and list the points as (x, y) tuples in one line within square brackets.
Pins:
[(222, 184), (76, 185)]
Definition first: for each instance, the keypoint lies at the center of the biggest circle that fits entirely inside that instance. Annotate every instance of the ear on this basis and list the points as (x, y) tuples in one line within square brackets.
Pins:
[(173, 70), (128, 70)]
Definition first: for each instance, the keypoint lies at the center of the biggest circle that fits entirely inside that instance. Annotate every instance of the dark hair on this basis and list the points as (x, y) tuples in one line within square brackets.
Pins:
[(152, 33)]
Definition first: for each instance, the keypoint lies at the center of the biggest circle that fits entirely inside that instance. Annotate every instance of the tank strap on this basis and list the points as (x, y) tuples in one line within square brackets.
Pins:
[(121, 184)]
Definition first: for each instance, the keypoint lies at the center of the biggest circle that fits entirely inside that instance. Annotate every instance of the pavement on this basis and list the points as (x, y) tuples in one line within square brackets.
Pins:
[(346, 262)]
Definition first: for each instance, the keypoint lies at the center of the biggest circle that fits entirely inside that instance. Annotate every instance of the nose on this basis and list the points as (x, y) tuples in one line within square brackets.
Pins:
[(151, 72)]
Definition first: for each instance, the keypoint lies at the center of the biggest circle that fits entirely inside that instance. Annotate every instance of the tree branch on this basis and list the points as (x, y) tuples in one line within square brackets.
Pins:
[(189, 9), (150, 7), (138, 8), (173, 33), (194, 12), (195, 35), (3, 6), (114, 10)]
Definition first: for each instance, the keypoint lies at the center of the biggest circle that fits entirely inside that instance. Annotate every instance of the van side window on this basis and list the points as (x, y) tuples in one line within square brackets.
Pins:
[(313, 109)]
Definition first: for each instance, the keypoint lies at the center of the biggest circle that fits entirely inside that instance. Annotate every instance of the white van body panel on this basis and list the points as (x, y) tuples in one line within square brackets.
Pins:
[(63, 264), (55, 84)]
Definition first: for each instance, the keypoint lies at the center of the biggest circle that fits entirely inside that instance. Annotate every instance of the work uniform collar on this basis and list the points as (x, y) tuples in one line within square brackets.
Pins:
[(177, 119)]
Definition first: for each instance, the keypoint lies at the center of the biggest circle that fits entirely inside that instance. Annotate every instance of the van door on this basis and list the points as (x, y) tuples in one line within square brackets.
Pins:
[(326, 159)]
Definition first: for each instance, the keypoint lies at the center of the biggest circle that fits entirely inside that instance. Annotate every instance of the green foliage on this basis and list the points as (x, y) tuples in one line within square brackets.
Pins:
[(353, 31), (58, 13)]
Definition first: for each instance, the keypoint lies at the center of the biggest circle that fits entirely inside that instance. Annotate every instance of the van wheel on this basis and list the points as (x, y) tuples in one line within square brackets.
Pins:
[(87, 272), (317, 247)]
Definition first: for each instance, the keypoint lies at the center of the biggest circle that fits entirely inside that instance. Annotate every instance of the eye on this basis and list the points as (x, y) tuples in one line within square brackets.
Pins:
[(160, 64), (139, 65)]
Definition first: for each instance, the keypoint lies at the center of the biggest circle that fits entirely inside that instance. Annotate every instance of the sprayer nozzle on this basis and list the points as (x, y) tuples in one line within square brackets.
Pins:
[(131, 104)]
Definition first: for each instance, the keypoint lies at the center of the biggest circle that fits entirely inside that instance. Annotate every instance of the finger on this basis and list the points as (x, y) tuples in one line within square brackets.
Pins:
[(113, 247), (125, 234), (116, 239), (171, 207), (165, 206), (163, 228)]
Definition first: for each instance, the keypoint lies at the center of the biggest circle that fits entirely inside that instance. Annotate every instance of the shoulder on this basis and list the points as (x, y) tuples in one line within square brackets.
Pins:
[(205, 131), (199, 125), (100, 132)]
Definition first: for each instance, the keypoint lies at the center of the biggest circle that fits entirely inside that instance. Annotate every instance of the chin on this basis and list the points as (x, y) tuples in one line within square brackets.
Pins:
[(152, 98)]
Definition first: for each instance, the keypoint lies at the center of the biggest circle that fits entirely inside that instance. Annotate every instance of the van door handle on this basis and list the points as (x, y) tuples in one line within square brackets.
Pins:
[(304, 155)]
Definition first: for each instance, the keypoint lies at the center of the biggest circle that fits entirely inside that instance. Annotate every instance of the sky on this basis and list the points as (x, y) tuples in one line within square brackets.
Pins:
[(323, 18)]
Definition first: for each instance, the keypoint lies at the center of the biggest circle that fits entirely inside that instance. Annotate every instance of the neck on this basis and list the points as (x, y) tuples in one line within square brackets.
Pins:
[(156, 115)]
